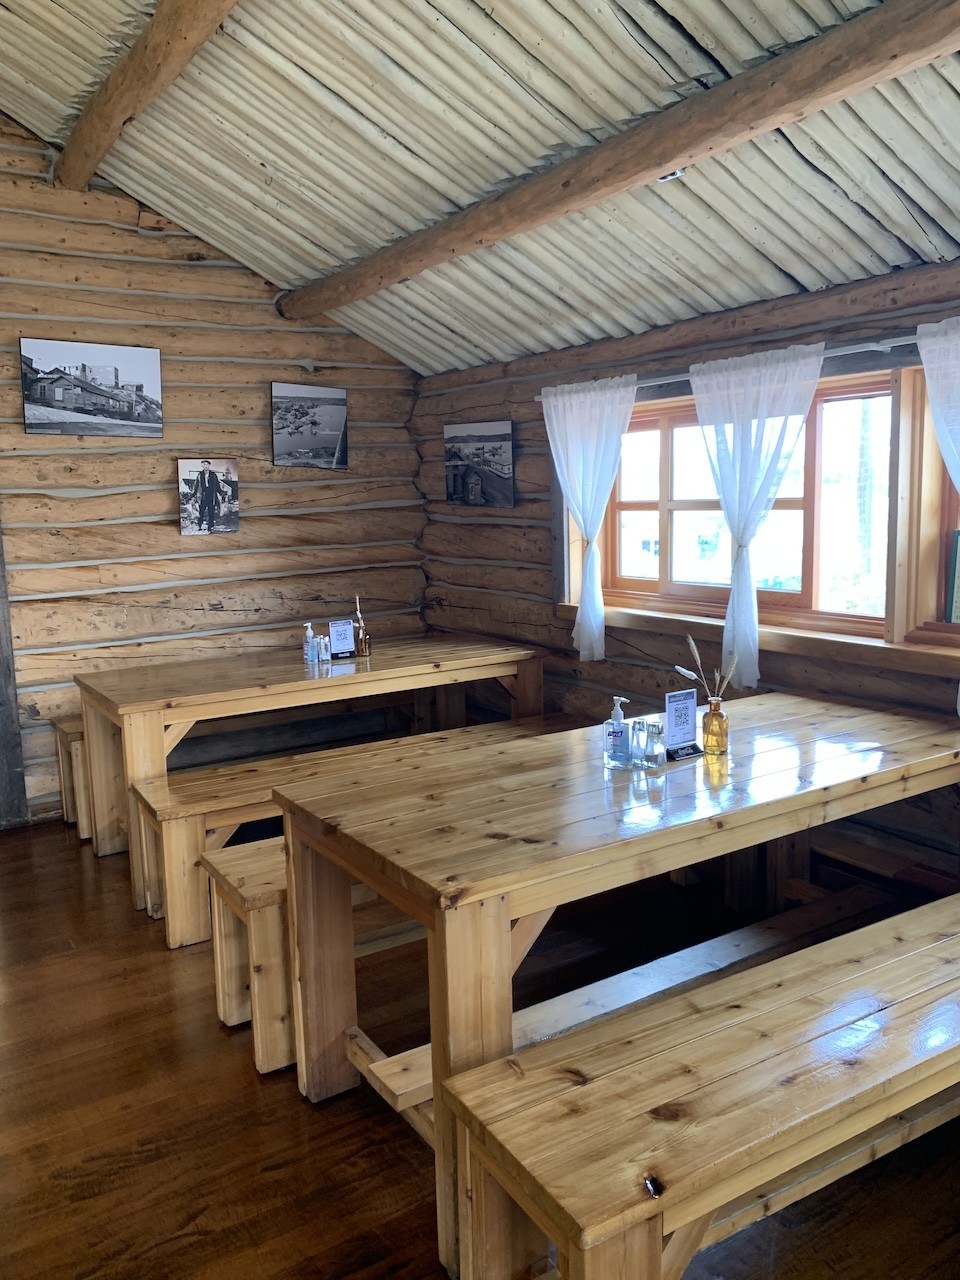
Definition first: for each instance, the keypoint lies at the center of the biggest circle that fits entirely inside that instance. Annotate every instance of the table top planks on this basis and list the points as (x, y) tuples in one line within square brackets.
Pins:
[(215, 682), (511, 817)]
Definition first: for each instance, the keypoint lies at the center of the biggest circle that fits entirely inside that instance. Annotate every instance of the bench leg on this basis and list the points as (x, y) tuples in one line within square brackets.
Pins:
[(635, 1254), (147, 863), (185, 892), (497, 1240), (270, 1003), (231, 963)]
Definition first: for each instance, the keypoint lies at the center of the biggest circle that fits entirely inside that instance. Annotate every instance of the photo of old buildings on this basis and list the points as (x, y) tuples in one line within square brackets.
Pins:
[(80, 388)]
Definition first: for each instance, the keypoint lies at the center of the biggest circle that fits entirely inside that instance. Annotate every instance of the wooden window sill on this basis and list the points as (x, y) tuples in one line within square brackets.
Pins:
[(919, 659)]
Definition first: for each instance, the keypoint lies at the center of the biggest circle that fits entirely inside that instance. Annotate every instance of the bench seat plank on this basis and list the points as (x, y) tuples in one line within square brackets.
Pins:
[(671, 1112)]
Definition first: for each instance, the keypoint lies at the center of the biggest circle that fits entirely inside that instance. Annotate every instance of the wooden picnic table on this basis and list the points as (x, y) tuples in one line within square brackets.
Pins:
[(482, 846), (134, 717)]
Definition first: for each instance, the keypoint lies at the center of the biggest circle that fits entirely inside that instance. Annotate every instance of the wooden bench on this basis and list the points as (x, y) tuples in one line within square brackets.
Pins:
[(924, 869), (196, 811), (405, 1080), (251, 955), (72, 770), (635, 1141)]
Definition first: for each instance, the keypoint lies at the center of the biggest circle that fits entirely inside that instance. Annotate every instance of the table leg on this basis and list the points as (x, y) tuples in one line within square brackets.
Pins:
[(471, 1022), (101, 744), (451, 706), (529, 700), (144, 756), (324, 983)]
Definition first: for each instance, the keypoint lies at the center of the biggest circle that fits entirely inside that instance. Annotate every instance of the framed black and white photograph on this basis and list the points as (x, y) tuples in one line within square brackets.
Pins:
[(309, 425), (90, 389), (478, 462), (209, 495)]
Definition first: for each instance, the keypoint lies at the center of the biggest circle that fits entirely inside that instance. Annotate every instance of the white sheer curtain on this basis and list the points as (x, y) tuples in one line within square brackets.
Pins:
[(751, 409), (585, 423), (939, 346)]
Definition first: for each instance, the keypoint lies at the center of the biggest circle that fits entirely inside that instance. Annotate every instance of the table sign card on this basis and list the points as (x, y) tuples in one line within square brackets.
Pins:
[(680, 725), (342, 643)]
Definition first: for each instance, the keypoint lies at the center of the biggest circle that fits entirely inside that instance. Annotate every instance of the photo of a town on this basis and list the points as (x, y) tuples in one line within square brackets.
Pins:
[(478, 461), (90, 389), (309, 425)]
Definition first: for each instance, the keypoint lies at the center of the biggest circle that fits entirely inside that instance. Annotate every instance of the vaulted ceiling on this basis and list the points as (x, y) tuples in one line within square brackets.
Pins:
[(302, 136)]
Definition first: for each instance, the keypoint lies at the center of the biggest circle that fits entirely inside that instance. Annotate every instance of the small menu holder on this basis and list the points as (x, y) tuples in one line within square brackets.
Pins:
[(680, 725), (342, 644)]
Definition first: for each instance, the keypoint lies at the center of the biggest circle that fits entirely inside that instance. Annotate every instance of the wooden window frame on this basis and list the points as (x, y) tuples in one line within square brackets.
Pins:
[(924, 509), (776, 609)]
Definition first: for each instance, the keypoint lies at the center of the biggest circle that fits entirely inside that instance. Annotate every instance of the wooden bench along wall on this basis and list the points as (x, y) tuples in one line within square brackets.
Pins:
[(627, 1142)]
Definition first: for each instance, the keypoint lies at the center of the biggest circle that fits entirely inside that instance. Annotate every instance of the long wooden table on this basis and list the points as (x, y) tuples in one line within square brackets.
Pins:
[(133, 718), (503, 834)]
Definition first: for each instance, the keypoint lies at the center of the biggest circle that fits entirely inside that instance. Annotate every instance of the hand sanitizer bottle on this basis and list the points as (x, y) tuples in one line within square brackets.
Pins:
[(616, 738), (311, 652)]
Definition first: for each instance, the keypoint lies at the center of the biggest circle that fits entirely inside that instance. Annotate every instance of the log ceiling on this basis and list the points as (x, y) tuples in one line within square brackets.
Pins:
[(465, 185), (868, 50), (168, 42)]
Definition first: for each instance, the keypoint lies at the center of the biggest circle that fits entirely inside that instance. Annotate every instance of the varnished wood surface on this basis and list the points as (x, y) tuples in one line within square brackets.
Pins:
[(472, 842), (205, 685), (544, 821), (215, 789), (138, 1139), (704, 1089)]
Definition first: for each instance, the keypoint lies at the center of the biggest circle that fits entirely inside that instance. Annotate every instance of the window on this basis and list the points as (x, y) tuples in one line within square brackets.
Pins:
[(820, 557)]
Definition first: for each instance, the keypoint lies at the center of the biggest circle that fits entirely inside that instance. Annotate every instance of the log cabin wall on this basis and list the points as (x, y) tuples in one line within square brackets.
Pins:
[(493, 570), (97, 572)]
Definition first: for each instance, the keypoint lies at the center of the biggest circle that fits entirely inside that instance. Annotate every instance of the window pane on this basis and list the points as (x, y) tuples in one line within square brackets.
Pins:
[(640, 466), (701, 548), (692, 477), (791, 486), (854, 506), (776, 553), (640, 544)]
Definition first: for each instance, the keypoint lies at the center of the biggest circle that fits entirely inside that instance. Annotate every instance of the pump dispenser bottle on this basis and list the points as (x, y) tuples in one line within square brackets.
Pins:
[(311, 649), (616, 738)]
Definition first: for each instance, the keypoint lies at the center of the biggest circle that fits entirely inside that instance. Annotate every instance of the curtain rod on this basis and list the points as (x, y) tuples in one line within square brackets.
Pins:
[(883, 344)]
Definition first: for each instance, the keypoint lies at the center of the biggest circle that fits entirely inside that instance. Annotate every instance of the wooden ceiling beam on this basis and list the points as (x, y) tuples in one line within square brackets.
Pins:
[(896, 37), (166, 45)]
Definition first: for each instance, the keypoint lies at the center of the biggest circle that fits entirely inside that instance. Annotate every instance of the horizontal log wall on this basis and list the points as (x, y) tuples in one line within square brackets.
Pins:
[(490, 570), (97, 571)]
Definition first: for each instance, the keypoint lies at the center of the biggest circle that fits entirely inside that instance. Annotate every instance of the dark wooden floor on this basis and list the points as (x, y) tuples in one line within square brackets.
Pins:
[(137, 1140)]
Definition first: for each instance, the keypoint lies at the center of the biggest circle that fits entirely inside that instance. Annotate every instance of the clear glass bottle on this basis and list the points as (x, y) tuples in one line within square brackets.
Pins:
[(655, 751), (716, 728), (638, 741)]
